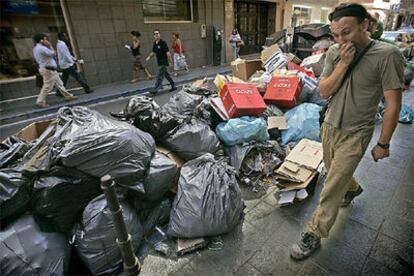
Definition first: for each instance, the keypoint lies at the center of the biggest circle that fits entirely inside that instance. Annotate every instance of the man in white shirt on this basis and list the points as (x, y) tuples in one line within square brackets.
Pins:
[(67, 63), (44, 55)]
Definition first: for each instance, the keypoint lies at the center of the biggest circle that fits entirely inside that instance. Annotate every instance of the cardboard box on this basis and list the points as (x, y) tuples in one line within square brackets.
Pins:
[(316, 62), (269, 52), (294, 66), (307, 153), (294, 59), (241, 99), (178, 161), (34, 130), (244, 69), (278, 122), (283, 91), (218, 106)]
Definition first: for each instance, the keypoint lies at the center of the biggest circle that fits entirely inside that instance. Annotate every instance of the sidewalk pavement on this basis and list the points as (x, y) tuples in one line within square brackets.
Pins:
[(24, 108), (374, 236)]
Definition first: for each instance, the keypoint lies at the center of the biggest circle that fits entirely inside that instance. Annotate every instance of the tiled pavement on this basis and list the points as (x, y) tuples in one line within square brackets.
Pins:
[(375, 236)]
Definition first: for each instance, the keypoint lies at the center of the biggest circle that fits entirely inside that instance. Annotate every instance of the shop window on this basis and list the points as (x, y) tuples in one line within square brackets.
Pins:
[(301, 15), (324, 15), (168, 10), (19, 21)]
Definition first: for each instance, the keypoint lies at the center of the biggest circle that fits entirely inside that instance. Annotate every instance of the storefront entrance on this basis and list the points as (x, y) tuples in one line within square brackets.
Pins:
[(251, 19)]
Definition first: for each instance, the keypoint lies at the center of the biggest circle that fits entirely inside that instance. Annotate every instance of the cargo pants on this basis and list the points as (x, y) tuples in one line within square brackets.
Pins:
[(342, 153)]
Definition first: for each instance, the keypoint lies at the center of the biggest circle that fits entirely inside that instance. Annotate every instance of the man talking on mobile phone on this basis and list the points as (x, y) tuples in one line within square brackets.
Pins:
[(358, 72)]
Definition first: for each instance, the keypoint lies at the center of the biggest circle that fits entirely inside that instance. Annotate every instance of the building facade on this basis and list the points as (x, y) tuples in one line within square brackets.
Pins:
[(99, 30)]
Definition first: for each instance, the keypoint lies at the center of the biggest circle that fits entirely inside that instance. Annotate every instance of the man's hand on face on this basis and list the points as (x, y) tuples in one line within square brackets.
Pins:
[(46, 43), (347, 52), (379, 153)]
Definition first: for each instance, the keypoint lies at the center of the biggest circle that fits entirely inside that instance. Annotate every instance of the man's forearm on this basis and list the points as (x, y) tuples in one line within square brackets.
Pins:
[(390, 121), (330, 85)]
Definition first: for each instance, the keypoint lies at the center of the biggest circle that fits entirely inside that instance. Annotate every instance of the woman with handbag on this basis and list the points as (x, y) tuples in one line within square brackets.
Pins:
[(178, 57), (236, 42)]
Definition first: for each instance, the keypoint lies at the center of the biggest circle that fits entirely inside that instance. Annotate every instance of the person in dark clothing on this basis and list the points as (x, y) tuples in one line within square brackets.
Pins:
[(161, 51), (136, 44), (67, 64)]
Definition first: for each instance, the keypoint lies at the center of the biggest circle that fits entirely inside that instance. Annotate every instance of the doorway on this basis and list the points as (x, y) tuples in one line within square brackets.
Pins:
[(252, 22)]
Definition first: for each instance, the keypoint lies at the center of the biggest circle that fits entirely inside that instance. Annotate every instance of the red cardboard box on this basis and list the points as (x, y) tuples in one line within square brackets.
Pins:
[(294, 66), (242, 99), (283, 91)]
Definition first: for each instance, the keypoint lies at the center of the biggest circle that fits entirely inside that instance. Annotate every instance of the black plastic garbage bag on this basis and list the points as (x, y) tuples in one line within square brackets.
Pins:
[(182, 104), (238, 153), (208, 201), (147, 116), (12, 149), (151, 213), (25, 250), (192, 139), (97, 145), (95, 237), (160, 177), (60, 197), (15, 193)]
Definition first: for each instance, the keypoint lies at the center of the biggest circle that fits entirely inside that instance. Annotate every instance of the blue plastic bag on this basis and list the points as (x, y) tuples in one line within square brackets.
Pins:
[(406, 115), (303, 122), (243, 129)]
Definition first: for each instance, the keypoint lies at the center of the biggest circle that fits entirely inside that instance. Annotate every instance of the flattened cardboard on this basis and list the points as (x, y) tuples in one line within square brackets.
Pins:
[(34, 130), (295, 172), (174, 157), (307, 153), (189, 245), (269, 52), (244, 69), (278, 122), (217, 104), (288, 186)]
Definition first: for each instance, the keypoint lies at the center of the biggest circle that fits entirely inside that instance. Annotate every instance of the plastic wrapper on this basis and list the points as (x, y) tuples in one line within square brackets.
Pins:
[(406, 115), (241, 130), (97, 145), (12, 149), (95, 238), (54, 210), (303, 122), (208, 202), (25, 250), (192, 139), (15, 193), (272, 110)]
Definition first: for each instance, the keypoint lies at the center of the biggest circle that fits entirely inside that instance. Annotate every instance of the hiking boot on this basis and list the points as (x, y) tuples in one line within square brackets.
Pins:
[(308, 243), (349, 196)]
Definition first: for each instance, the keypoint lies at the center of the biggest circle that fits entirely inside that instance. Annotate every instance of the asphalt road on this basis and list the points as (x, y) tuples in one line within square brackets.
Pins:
[(103, 107)]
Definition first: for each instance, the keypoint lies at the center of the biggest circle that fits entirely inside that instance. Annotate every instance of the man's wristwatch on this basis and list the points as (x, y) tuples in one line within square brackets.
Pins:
[(384, 146)]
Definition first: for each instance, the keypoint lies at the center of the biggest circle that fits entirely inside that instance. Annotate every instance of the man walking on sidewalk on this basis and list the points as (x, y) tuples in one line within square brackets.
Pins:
[(160, 49), (44, 55), (358, 72), (67, 64)]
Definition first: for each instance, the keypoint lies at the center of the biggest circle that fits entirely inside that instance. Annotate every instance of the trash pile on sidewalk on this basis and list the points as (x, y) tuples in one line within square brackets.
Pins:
[(177, 168)]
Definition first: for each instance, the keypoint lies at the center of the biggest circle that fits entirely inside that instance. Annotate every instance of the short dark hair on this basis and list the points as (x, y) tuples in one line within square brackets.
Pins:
[(38, 37), (349, 9), (136, 33), (61, 35)]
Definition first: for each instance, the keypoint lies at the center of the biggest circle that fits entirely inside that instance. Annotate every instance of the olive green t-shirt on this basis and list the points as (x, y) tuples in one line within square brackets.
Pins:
[(354, 106)]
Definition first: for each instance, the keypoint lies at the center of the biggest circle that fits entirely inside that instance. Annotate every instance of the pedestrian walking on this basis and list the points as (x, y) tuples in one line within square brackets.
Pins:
[(236, 42), (67, 64), (178, 57), (161, 51), (137, 65), (44, 55), (358, 72)]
